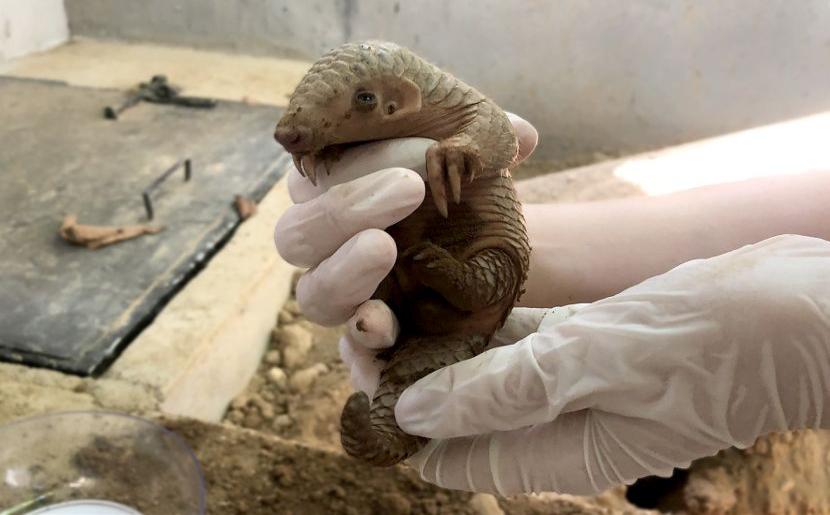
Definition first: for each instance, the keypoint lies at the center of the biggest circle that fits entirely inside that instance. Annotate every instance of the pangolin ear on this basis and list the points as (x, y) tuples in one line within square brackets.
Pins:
[(402, 96)]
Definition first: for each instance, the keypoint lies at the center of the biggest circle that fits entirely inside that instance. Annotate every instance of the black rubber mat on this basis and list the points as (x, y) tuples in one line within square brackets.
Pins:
[(74, 309)]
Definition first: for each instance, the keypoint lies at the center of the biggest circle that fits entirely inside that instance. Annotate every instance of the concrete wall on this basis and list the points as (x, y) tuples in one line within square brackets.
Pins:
[(28, 26), (593, 76), (292, 28)]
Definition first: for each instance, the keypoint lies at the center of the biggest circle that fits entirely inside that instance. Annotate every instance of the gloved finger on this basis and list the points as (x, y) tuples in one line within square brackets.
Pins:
[(501, 389), (519, 324), (373, 326), (391, 153), (544, 458), (365, 376), (580, 453), (364, 368), (359, 161), (348, 353), (406, 153), (311, 231), (329, 293), (526, 134), (522, 322)]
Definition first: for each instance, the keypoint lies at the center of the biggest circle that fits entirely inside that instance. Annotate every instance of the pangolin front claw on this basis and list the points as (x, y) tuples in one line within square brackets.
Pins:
[(310, 168), (298, 164), (454, 176), (307, 166), (448, 163)]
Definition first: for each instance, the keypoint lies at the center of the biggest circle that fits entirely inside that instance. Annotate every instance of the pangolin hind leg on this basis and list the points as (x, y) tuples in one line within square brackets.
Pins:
[(371, 433), (481, 280)]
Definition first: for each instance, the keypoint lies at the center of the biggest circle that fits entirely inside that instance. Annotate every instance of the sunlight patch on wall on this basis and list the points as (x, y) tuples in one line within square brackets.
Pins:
[(787, 148)]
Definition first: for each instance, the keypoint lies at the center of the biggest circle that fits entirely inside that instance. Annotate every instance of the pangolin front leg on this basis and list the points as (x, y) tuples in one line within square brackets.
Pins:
[(449, 163)]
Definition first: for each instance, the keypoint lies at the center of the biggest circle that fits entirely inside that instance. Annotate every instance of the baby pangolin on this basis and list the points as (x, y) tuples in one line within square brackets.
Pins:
[(461, 261)]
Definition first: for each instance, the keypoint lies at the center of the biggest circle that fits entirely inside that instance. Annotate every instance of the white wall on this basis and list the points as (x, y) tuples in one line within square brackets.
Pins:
[(28, 26), (598, 75), (606, 75), (294, 28)]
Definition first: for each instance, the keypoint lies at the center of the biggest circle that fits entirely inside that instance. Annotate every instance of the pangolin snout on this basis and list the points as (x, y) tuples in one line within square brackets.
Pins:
[(294, 139)]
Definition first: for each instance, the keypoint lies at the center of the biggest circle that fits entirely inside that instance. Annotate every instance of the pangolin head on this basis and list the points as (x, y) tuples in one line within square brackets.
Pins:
[(355, 93)]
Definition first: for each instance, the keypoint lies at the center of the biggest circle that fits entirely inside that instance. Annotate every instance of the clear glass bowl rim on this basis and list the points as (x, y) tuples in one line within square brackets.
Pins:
[(200, 478)]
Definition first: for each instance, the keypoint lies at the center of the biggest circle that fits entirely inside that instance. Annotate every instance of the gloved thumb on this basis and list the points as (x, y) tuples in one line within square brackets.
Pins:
[(499, 390), (523, 322), (505, 388)]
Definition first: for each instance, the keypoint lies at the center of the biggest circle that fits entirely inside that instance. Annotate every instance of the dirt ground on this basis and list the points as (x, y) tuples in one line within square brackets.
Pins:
[(255, 473)]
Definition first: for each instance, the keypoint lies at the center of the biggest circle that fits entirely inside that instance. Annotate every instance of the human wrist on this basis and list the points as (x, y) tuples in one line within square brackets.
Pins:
[(555, 273)]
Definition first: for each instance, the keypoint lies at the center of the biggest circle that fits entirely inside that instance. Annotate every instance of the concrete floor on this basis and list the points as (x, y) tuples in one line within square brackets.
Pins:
[(107, 64)]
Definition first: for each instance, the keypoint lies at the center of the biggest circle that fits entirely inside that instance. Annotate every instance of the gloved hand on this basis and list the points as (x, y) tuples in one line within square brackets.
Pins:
[(337, 230), (711, 354)]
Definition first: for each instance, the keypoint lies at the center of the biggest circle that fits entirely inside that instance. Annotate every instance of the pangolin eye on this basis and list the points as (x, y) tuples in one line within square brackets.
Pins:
[(365, 100)]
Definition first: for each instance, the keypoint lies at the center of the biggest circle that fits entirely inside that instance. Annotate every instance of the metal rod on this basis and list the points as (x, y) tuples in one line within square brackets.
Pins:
[(113, 112), (148, 205), (145, 195)]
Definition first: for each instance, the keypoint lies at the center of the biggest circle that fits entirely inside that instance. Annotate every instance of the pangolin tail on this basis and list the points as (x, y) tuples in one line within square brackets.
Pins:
[(382, 447), (369, 432)]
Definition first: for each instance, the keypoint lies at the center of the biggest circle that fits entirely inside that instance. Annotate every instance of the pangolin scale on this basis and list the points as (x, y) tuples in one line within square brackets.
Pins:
[(462, 258)]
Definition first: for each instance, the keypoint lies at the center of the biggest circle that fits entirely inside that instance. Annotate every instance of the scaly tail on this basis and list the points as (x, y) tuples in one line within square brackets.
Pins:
[(380, 445), (370, 433)]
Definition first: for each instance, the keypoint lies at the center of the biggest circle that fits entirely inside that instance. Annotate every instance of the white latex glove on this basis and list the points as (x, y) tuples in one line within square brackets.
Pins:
[(337, 230), (711, 354)]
